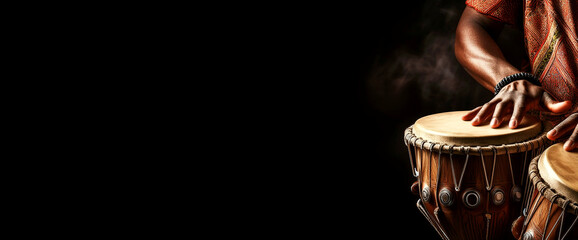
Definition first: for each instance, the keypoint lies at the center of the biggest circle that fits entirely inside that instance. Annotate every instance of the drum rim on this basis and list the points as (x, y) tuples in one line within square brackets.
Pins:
[(544, 188), (533, 143)]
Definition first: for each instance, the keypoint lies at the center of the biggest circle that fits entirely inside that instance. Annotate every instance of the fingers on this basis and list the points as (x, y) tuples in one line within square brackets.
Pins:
[(499, 113), (568, 125), (564, 127), (470, 115), (554, 106), (571, 142), (496, 109), (485, 112), (517, 115)]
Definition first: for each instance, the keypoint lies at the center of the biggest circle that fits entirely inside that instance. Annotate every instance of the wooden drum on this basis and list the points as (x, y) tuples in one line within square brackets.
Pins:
[(553, 210), (470, 179)]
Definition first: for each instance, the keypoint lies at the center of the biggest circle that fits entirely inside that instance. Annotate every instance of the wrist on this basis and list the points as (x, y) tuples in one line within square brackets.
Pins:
[(514, 77)]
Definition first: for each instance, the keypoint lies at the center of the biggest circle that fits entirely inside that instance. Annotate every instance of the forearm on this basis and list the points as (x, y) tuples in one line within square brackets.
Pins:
[(477, 50)]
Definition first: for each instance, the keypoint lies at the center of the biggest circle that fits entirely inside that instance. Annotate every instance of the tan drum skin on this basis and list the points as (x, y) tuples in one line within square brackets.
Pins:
[(450, 129), (559, 169)]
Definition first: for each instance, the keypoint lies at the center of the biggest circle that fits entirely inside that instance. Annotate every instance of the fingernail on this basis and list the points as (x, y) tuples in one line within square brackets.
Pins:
[(476, 120), (553, 132), (494, 122), (569, 145), (513, 123)]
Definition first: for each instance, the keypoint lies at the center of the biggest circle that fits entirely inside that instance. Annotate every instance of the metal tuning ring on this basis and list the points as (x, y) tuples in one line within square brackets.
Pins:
[(446, 197), (517, 194), (528, 236), (471, 198), (498, 196), (425, 193)]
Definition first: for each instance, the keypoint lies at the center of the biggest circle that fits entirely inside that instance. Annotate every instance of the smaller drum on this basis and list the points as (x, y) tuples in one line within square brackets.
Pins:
[(553, 210)]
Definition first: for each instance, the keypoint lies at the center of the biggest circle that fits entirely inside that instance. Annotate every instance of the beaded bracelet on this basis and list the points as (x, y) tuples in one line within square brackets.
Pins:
[(509, 79)]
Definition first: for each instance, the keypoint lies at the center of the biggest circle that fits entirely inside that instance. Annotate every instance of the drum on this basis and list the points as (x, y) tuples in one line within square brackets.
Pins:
[(553, 210), (470, 178)]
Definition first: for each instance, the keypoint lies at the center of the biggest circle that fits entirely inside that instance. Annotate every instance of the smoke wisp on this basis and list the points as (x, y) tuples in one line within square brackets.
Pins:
[(423, 74)]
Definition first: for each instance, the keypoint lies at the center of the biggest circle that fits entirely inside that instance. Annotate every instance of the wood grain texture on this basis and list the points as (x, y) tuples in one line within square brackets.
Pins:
[(458, 221), (540, 223)]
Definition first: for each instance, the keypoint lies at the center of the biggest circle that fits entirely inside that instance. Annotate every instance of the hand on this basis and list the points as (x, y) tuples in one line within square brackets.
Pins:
[(515, 98), (566, 126)]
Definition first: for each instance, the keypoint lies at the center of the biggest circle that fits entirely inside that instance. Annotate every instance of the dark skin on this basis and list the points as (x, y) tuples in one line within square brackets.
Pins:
[(476, 49)]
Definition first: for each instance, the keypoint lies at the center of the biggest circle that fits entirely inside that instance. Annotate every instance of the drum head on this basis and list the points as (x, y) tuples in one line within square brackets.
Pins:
[(559, 169), (449, 128)]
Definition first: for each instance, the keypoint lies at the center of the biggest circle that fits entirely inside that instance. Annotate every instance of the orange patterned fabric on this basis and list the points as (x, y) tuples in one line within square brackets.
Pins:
[(550, 31), (501, 10)]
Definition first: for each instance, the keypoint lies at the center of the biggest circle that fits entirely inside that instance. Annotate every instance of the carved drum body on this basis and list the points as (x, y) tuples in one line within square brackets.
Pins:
[(470, 180)]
